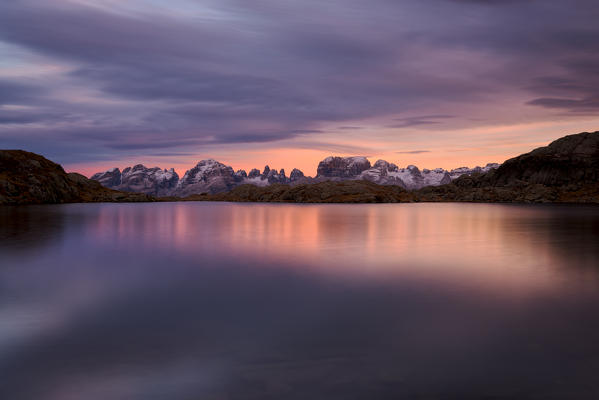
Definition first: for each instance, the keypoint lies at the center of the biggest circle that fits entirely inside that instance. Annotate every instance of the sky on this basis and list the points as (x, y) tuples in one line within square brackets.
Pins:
[(96, 84)]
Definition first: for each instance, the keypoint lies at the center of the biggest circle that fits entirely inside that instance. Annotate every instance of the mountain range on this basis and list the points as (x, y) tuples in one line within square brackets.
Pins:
[(567, 170), (212, 177)]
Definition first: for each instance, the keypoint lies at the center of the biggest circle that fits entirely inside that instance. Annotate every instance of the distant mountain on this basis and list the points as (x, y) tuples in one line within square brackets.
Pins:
[(28, 178), (207, 176), (342, 167), (211, 176), (152, 181)]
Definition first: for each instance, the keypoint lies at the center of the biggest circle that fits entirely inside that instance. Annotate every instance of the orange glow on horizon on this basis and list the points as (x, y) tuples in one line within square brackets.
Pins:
[(463, 148)]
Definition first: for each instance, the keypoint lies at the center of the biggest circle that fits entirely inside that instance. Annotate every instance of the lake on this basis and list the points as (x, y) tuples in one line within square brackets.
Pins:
[(275, 301)]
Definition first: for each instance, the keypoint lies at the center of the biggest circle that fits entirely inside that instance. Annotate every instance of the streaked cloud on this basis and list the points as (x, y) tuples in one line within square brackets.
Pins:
[(413, 152)]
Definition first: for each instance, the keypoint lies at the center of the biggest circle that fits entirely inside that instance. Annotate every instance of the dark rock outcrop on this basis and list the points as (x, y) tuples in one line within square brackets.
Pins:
[(28, 178), (568, 160), (567, 170)]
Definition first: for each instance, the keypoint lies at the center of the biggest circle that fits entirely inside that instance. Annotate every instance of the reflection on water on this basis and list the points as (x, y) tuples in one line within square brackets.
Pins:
[(256, 301)]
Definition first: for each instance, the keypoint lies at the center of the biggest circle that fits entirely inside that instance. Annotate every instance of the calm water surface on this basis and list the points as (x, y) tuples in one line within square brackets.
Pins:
[(232, 301)]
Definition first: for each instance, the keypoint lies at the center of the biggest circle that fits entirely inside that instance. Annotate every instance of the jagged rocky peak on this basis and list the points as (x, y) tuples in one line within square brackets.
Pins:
[(266, 170), (413, 169), (381, 164), (414, 178), (135, 168), (385, 166), (139, 178), (110, 178), (204, 170), (381, 174), (342, 167), (272, 172), (296, 175), (141, 169), (276, 177), (254, 173), (208, 176), (241, 174), (154, 181)]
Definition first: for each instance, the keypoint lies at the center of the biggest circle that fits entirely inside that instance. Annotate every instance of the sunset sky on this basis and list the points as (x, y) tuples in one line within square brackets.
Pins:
[(95, 84)]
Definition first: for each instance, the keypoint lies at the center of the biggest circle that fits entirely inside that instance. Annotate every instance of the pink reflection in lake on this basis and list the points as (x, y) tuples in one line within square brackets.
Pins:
[(500, 246)]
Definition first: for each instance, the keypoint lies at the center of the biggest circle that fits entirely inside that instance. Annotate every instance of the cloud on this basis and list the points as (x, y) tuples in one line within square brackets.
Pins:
[(493, 2), (572, 105), (15, 92), (420, 120), (413, 152), (575, 91), (11, 116)]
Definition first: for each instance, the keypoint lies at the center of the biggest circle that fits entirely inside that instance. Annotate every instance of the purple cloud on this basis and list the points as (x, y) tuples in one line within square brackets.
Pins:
[(413, 152)]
